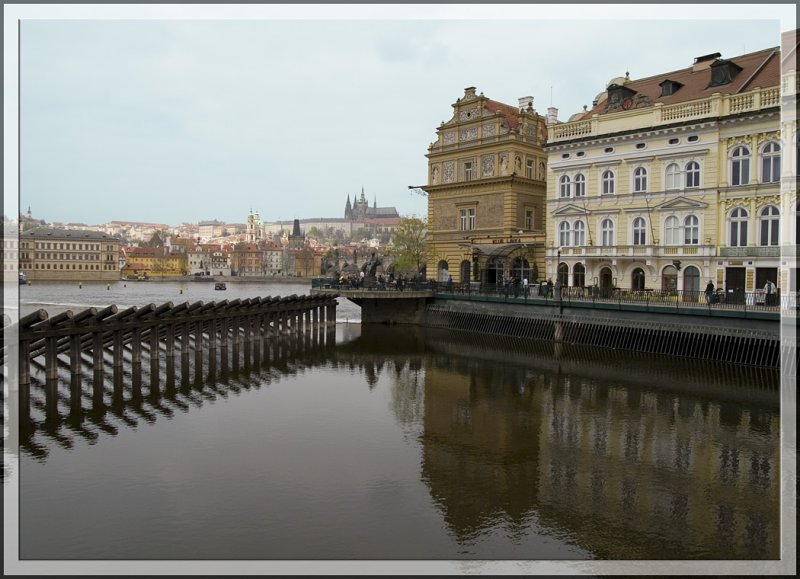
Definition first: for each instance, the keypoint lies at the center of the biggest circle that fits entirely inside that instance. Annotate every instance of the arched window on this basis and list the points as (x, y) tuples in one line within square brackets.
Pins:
[(673, 177), (672, 231), (771, 163), (579, 275), (580, 185), (692, 174), (637, 279), (443, 270), (608, 183), (639, 231), (579, 235), (738, 227), (563, 274), (607, 232), (740, 166), (768, 222), (466, 267), (564, 186), (691, 230), (640, 180), (669, 279), (563, 234)]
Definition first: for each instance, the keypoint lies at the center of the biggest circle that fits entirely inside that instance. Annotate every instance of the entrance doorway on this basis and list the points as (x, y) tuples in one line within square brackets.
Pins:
[(606, 282), (669, 279), (691, 283), (443, 271), (637, 279), (734, 284), (465, 269), (765, 273)]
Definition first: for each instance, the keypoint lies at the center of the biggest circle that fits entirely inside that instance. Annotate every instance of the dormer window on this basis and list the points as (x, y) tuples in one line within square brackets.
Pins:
[(619, 96), (723, 72), (669, 87)]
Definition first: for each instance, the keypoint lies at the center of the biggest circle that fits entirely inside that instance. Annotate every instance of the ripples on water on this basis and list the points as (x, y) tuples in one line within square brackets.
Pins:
[(398, 443)]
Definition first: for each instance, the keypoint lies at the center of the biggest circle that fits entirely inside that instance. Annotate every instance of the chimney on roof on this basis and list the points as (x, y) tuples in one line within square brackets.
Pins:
[(703, 62), (525, 102), (469, 92), (552, 115)]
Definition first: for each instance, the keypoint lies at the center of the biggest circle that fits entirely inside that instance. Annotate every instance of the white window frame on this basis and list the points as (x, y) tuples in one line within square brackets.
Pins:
[(579, 185), (607, 180), (672, 231), (692, 175), (737, 230), (564, 234), (578, 233), (740, 165), (639, 232), (607, 232), (672, 177), (769, 225), (691, 230), (771, 162), (564, 187), (640, 180)]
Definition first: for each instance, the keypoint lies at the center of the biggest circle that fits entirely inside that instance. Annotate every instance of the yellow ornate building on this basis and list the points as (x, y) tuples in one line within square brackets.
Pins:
[(154, 262), (672, 180), (486, 192)]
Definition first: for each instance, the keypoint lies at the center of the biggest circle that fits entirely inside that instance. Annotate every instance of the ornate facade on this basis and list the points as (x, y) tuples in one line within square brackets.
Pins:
[(673, 180), (486, 192)]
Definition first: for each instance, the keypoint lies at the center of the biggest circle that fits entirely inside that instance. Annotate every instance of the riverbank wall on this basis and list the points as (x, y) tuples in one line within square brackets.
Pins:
[(750, 342)]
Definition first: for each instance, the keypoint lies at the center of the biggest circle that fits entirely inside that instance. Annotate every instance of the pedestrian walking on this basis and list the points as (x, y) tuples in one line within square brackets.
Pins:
[(710, 292)]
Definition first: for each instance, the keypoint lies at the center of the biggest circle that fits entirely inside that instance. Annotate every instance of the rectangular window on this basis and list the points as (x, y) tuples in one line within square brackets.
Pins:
[(529, 168), (528, 219), (468, 171), (467, 218)]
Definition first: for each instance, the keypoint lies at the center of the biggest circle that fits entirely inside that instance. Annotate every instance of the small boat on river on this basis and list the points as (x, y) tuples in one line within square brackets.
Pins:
[(220, 286)]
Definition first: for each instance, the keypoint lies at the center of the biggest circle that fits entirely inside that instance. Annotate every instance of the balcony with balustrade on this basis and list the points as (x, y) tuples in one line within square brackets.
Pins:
[(634, 251), (715, 106)]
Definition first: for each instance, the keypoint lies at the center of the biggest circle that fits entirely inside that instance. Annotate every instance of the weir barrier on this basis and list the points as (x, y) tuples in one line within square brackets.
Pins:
[(168, 329)]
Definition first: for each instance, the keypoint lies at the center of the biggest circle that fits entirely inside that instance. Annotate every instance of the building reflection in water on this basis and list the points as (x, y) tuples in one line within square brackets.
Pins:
[(624, 456), (666, 460)]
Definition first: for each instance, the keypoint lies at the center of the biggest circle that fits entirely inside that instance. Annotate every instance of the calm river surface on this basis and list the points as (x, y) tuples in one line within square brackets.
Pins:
[(400, 443)]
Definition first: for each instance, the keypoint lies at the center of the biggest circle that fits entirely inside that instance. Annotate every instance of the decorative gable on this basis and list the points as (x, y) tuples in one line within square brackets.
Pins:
[(680, 203), (569, 209)]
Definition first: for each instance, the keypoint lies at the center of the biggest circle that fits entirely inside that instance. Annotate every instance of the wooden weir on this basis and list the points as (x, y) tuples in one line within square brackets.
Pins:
[(207, 328)]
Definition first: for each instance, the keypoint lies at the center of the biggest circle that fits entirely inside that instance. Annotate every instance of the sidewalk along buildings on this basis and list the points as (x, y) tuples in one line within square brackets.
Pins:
[(54, 254), (486, 192), (672, 180)]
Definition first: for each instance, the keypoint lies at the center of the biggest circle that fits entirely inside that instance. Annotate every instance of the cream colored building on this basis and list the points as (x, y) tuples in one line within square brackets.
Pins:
[(672, 180), (486, 192), (62, 254)]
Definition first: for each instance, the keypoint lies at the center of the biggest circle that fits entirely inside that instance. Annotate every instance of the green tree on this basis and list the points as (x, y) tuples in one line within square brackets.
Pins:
[(410, 243)]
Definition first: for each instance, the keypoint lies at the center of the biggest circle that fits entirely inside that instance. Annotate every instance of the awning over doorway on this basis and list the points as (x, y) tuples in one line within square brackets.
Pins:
[(500, 249)]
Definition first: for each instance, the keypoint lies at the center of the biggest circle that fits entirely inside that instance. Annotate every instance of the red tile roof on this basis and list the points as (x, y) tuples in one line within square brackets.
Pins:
[(510, 114), (759, 69)]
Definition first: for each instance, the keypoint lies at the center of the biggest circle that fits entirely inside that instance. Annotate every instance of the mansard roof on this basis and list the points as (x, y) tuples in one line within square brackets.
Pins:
[(758, 69)]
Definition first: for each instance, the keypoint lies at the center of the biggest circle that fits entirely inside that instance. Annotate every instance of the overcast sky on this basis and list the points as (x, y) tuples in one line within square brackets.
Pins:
[(173, 120)]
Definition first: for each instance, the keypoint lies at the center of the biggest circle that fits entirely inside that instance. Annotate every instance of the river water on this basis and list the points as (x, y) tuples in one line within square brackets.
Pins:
[(401, 443)]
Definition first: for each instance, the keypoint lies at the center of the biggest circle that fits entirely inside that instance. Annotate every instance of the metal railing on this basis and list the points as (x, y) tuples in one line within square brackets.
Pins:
[(540, 293)]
